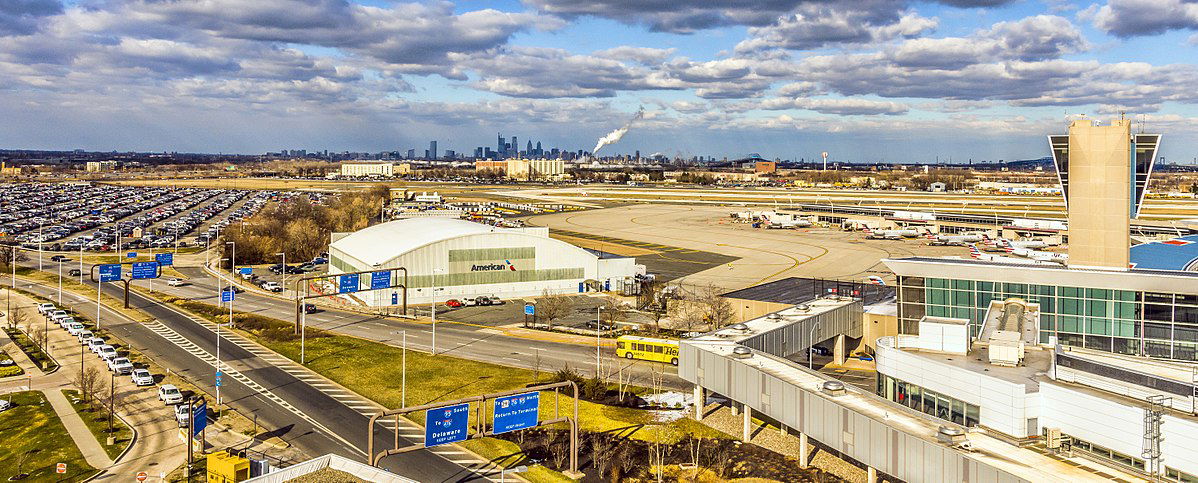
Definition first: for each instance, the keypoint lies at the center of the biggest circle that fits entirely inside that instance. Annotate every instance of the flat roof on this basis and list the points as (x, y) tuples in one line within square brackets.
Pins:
[(1036, 362), (790, 290), (1173, 254), (1168, 281)]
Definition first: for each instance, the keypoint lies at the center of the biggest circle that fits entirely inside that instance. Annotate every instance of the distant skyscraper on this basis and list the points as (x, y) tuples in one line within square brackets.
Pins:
[(514, 150), (528, 149), (411, 154), (432, 149)]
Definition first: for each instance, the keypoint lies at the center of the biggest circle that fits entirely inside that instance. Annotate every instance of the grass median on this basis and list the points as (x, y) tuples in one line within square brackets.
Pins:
[(375, 371), (12, 369), (35, 353), (96, 419), (33, 440)]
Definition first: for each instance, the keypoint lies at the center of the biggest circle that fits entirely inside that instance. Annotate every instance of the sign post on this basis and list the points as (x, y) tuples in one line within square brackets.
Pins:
[(60, 468)]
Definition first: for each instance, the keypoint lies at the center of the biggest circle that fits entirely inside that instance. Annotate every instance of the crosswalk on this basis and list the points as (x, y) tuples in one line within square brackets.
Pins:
[(409, 430)]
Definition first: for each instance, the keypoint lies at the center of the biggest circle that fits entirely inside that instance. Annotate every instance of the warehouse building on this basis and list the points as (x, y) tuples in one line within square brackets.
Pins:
[(455, 259)]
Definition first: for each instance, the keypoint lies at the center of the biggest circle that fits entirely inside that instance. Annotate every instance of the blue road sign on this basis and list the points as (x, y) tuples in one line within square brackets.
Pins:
[(516, 412), (530, 309), (446, 425), (246, 270), (380, 280), (110, 272), (165, 258), (144, 270), (218, 374), (199, 418), (131, 255), (227, 295), (394, 298), (347, 283)]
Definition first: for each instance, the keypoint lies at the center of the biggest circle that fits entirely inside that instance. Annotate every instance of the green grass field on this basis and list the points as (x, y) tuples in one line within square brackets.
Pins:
[(30, 349), (9, 371), (34, 439), (97, 422)]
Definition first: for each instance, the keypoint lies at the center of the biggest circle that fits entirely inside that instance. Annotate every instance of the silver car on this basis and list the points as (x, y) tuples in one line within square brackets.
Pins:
[(142, 377)]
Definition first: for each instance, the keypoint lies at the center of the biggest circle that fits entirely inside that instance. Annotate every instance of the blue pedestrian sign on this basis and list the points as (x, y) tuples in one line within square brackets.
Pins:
[(380, 280), (394, 298), (131, 255), (516, 412), (165, 258), (199, 419), (227, 295), (246, 270), (347, 283), (446, 425), (218, 374), (110, 272), (530, 309), (144, 270)]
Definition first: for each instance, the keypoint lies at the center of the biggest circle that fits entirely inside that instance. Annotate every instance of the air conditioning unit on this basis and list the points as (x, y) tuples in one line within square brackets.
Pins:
[(833, 388), (1052, 438)]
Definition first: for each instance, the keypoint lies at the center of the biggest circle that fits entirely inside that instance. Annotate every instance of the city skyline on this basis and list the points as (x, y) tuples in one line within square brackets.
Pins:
[(888, 81)]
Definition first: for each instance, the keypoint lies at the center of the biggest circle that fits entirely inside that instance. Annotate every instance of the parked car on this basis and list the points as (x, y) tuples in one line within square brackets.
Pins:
[(272, 286), (106, 352), (604, 326), (248, 276), (84, 336), (64, 321), (74, 272), (59, 258), (94, 344), (182, 415), (120, 365), (176, 282), (56, 313), (169, 394), (74, 328), (454, 303), (320, 260), (293, 270), (142, 377), (45, 308)]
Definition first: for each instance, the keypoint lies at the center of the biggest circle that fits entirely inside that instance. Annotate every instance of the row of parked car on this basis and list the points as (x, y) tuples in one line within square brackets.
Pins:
[(250, 208)]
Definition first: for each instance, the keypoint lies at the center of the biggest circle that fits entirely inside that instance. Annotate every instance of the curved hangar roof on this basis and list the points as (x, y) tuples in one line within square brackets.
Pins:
[(380, 243)]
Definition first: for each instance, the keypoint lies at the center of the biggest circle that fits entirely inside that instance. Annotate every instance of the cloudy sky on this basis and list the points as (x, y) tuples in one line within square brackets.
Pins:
[(867, 80)]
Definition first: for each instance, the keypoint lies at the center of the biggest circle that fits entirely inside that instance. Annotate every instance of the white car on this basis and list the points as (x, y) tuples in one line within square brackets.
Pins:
[(85, 335), (120, 365), (45, 308), (182, 416), (5, 405), (169, 394), (54, 314), (75, 328), (142, 377), (272, 287), (94, 344), (176, 282), (64, 320), (106, 352)]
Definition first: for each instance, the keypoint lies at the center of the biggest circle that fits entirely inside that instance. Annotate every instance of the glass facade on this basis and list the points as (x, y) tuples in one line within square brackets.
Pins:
[(931, 403), (1162, 325)]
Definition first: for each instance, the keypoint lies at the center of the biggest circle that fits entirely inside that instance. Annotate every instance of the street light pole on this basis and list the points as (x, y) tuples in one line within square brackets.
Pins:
[(80, 263), (218, 297), (60, 282), (284, 271), (232, 260), (303, 332), (811, 345), (433, 308), (598, 325)]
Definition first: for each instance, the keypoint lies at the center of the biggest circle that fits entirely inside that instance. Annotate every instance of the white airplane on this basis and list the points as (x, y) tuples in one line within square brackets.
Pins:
[(1025, 243), (889, 234), (961, 240), (876, 280), (986, 257), (795, 223), (1061, 258)]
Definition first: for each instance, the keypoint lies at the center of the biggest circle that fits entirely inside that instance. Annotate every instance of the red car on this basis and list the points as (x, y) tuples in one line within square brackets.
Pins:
[(453, 303)]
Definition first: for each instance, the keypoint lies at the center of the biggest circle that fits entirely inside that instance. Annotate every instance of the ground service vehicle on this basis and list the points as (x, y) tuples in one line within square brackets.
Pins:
[(647, 348)]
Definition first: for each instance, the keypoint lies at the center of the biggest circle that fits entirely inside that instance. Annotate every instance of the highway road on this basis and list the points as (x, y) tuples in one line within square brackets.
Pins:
[(300, 407)]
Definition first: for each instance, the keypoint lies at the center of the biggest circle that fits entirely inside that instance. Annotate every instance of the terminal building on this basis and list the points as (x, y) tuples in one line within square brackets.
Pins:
[(454, 259), (1001, 371)]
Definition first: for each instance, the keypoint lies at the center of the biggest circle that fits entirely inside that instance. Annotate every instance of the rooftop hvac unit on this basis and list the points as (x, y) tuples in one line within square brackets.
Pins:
[(740, 327), (1006, 348), (953, 436), (742, 352), (774, 316), (1052, 438), (833, 388), (802, 307)]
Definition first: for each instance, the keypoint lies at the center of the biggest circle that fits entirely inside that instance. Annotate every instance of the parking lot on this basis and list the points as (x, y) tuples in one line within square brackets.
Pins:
[(81, 216)]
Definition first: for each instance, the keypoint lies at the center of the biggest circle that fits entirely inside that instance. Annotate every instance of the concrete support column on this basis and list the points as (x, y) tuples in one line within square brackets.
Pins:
[(735, 409), (782, 429), (871, 475), (700, 402), (804, 450), (748, 426), (838, 351)]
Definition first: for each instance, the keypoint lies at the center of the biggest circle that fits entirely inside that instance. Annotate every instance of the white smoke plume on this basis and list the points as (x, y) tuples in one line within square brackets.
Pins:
[(618, 134)]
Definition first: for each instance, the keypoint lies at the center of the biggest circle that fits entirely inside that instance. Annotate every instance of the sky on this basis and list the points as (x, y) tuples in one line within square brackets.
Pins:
[(865, 80)]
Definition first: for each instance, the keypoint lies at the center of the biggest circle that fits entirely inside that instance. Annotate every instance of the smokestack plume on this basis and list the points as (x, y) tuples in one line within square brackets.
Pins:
[(618, 134)]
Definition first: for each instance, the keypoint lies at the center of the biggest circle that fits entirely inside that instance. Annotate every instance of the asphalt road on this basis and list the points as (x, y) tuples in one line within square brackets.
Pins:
[(301, 413)]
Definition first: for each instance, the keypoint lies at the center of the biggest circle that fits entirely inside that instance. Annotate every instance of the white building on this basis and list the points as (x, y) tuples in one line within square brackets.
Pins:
[(352, 169), (461, 259)]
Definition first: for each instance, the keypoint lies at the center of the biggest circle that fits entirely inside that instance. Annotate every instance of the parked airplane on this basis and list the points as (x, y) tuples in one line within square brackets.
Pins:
[(876, 280), (961, 240), (986, 257), (1061, 258), (890, 234)]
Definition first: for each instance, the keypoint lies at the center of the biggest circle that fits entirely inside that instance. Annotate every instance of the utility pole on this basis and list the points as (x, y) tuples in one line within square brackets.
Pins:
[(433, 308), (598, 325), (284, 271), (219, 296)]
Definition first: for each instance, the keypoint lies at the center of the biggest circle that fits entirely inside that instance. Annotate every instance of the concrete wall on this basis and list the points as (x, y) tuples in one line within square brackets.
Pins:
[(877, 325), (790, 339), (1117, 425), (873, 442), (1002, 405), (744, 309), (1100, 190)]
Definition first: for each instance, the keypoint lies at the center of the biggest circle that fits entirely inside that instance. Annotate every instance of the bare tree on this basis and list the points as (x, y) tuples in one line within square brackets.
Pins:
[(601, 446), (653, 300), (721, 459), (17, 317), (625, 457), (86, 382), (551, 307), (39, 336), (612, 312), (559, 448), (718, 309)]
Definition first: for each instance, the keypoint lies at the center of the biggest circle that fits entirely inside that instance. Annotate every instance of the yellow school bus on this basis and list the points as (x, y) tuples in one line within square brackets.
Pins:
[(647, 348)]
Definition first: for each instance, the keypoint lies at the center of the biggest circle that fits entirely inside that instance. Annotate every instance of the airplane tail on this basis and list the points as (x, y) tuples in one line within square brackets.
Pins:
[(973, 251)]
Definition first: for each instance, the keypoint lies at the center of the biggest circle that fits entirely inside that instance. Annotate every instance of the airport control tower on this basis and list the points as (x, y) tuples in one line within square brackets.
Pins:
[(1104, 171)]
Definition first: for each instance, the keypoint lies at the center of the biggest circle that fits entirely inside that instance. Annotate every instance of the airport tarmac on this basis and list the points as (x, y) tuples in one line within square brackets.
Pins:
[(760, 255)]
